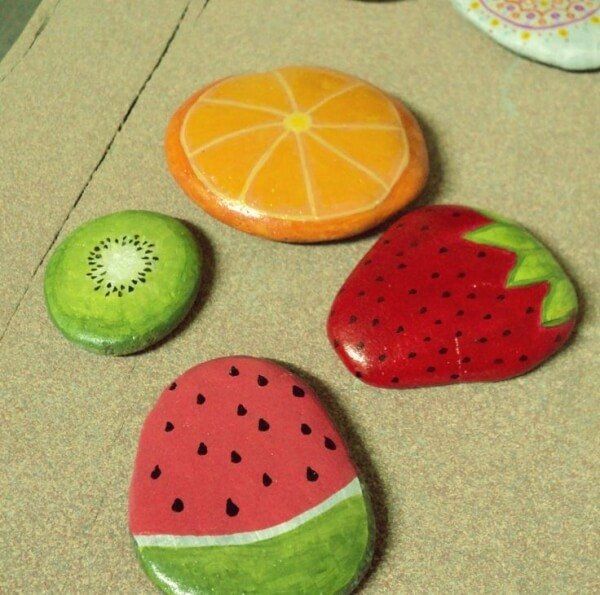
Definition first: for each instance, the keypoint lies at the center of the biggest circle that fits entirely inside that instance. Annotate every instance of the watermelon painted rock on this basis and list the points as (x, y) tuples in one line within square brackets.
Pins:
[(243, 485), (451, 294)]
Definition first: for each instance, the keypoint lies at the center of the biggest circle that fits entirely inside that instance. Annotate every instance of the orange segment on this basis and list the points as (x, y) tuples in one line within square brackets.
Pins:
[(297, 150), (282, 175), (226, 166), (351, 189), (208, 122)]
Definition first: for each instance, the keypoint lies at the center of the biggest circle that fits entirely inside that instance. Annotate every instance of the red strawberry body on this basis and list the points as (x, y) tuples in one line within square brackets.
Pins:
[(437, 300)]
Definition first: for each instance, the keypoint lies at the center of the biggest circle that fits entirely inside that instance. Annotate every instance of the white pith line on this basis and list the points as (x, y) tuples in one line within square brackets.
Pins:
[(351, 489), (310, 195), (287, 89), (259, 165), (358, 126), (231, 102), (333, 96), (349, 159), (231, 135)]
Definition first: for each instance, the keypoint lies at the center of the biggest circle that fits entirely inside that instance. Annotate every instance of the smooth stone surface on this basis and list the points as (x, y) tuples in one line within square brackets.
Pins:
[(121, 282), (449, 294), (557, 32), (298, 154), (243, 485)]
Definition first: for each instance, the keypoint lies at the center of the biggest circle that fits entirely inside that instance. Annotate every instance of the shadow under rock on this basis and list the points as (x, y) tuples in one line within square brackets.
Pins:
[(360, 457), (206, 283)]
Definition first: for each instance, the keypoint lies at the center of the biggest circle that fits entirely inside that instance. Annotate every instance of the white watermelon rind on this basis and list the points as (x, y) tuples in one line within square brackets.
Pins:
[(327, 549)]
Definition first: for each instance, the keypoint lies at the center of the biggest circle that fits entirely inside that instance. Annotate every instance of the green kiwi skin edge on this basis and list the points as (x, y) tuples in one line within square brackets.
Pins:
[(115, 324)]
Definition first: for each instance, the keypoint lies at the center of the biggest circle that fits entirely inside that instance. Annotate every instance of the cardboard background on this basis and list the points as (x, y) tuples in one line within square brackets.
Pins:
[(483, 487)]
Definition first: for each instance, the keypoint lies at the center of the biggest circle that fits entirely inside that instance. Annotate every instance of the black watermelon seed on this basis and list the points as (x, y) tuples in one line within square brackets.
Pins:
[(487, 316), (202, 450), (305, 429), (443, 250), (155, 472), (233, 371), (262, 381), (266, 479), (382, 357), (506, 332), (454, 376), (431, 369), (435, 275), (481, 254), (231, 508), (311, 474), (329, 444), (465, 360), (443, 350), (235, 457), (263, 425), (352, 319), (423, 310), (523, 358), (446, 294), (200, 399), (241, 410), (529, 310), (412, 354), (498, 361), (375, 321), (169, 427), (400, 329), (177, 505)]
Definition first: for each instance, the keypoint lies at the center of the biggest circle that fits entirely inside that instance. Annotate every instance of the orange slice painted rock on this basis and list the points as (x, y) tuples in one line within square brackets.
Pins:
[(297, 154)]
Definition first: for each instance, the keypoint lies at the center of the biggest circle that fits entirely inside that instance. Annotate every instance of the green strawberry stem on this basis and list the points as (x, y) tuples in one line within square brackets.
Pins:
[(534, 264)]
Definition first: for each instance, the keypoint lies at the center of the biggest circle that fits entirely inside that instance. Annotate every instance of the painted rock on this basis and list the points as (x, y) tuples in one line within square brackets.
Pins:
[(563, 33), (121, 282), (243, 485), (449, 294), (297, 154)]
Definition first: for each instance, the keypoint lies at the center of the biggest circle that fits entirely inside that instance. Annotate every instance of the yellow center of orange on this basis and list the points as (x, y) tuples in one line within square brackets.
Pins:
[(297, 122)]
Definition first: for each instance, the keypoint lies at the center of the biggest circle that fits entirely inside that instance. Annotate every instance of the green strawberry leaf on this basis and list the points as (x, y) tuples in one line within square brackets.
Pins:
[(534, 264)]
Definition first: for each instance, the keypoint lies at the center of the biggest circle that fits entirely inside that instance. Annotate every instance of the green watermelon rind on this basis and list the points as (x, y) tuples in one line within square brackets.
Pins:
[(327, 554), (534, 264)]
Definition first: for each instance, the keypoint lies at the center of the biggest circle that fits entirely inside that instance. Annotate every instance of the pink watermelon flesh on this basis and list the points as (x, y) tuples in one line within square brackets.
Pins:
[(235, 444)]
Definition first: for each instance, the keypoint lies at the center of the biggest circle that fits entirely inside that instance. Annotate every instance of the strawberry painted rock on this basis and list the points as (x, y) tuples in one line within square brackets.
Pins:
[(450, 294), (243, 485)]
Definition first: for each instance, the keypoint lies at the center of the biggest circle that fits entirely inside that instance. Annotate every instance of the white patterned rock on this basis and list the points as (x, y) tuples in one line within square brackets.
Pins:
[(563, 33)]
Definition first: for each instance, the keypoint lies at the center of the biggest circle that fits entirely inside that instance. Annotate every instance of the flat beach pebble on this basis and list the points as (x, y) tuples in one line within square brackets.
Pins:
[(451, 294), (297, 154), (555, 32), (242, 484), (121, 282)]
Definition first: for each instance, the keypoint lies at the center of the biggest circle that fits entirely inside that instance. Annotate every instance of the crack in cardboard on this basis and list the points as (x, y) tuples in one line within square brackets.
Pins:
[(101, 160)]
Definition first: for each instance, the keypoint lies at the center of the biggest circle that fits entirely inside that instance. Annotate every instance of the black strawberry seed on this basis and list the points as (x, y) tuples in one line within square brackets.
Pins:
[(262, 381), (358, 374), (400, 329), (352, 319), (233, 371), (435, 275), (481, 254), (443, 250), (506, 333), (465, 360), (266, 480), (241, 410), (177, 505), (500, 297), (263, 425), (458, 334), (235, 457), (202, 450), (446, 294), (523, 358), (380, 299), (329, 444), (231, 508), (438, 321), (401, 266), (443, 350), (426, 339), (382, 357), (431, 369), (482, 340), (169, 427), (423, 310), (155, 472), (558, 339), (454, 376), (395, 380), (200, 399), (379, 279), (375, 321), (305, 429), (412, 355), (487, 316), (471, 296), (412, 292), (498, 361), (529, 310), (311, 474)]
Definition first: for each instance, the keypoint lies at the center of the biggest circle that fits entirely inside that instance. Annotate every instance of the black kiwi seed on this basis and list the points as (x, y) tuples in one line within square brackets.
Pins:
[(96, 261), (231, 508)]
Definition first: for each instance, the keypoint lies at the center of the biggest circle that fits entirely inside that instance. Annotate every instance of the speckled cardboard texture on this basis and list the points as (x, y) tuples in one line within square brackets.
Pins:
[(483, 487)]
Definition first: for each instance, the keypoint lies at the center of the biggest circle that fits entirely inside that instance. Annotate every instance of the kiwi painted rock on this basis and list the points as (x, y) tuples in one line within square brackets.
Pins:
[(563, 33), (451, 294), (121, 282), (243, 485)]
